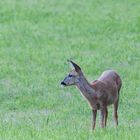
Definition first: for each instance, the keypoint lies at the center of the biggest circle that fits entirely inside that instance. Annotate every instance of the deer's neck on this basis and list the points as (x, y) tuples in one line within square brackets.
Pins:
[(84, 86)]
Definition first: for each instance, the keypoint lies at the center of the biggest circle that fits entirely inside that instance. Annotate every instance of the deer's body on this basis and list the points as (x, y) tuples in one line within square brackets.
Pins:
[(104, 90), (100, 93)]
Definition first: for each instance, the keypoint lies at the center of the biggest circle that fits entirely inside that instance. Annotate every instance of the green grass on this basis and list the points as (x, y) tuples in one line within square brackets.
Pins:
[(36, 39)]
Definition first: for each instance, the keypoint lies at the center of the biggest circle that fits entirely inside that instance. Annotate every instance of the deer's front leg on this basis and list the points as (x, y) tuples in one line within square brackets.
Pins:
[(94, 113), (103, 117)]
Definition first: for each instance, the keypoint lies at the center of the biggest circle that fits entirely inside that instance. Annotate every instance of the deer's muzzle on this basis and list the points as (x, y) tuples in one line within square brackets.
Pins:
[(62, 83)]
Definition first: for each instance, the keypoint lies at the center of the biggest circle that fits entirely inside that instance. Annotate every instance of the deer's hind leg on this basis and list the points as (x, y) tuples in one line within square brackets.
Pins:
[(115, 112), (106, 115)]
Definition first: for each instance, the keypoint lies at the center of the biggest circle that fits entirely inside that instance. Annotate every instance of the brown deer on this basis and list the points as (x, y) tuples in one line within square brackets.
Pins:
[(100, 93)]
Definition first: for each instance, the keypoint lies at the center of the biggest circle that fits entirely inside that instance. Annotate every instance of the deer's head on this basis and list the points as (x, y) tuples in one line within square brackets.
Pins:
[(73, 77)]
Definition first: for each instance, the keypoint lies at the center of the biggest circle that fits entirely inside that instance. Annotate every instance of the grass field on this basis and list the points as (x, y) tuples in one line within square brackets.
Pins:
[(36, 39)]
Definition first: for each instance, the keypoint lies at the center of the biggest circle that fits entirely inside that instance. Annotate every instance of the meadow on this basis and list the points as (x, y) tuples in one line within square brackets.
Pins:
[(37, 38)]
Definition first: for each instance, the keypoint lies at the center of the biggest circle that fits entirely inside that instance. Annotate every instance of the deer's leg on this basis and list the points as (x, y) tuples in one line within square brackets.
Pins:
[(115, 112), (106, 115), (103, 115), (94, 112)]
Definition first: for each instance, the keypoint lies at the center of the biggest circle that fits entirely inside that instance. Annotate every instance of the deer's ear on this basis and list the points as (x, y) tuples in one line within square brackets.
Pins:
[(75, 66)]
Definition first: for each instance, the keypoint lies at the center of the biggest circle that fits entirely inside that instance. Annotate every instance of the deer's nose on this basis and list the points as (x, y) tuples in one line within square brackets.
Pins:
[(62, 83)]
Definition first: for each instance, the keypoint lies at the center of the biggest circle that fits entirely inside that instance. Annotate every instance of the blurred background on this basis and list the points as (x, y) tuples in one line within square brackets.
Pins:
[(37, 38)]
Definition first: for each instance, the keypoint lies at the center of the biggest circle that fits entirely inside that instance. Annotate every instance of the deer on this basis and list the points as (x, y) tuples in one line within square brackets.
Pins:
[(99, 94)]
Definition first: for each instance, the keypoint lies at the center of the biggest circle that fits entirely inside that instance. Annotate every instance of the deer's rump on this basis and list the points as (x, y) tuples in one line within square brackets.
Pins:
[(107, 87), (112, 78)]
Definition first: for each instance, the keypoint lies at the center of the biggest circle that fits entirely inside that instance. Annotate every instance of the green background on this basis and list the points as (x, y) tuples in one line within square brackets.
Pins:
[(36, 39)]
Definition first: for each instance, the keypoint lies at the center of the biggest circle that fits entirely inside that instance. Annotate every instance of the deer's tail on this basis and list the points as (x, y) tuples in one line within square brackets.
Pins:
[(119, 83)]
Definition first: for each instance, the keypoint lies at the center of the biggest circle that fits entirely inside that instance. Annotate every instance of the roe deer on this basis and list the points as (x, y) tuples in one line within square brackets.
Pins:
[(100, 93)]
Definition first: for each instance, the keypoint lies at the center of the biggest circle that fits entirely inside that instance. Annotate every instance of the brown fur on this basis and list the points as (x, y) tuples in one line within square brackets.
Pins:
[(100, 93)]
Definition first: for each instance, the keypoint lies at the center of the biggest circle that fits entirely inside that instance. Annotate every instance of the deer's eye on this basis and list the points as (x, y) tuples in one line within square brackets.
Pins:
[(70, 75)]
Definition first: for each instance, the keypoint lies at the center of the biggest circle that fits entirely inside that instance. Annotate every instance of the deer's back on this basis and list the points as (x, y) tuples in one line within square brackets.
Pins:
[(112, 78), (107, 86)]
